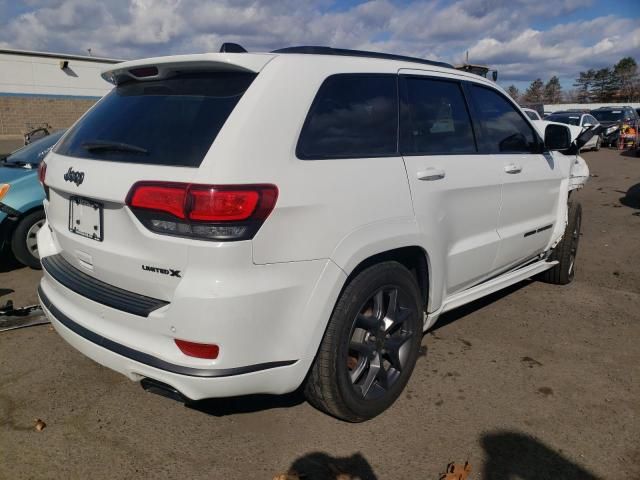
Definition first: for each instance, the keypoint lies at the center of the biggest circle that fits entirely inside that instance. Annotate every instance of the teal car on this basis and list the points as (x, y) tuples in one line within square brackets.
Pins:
[(21, 196)]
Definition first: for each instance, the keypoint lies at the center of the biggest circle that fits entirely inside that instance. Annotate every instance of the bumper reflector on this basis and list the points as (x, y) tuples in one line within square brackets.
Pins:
[(198, 350)]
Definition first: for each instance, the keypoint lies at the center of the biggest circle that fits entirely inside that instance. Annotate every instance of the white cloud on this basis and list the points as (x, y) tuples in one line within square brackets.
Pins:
[(497, 32)]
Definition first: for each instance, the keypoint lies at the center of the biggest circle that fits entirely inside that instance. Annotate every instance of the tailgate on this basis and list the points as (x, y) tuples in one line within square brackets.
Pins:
[(156, 129), (127, 255)]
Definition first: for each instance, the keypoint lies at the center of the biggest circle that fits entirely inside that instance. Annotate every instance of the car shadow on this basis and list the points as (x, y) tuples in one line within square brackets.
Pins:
[(629, 153), (516, 455), (460, 312), (632, 197), (322, 466), (220, 407), (8, 262), (5, 291)]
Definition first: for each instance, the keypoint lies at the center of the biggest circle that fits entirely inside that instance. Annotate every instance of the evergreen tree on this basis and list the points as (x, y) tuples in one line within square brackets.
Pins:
[(584, 84), (535, 92), (553, 91), (604, 85), (626, 79)]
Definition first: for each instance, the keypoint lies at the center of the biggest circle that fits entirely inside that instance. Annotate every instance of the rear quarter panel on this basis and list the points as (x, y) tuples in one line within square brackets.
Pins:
[(321, 203), (25, 193)]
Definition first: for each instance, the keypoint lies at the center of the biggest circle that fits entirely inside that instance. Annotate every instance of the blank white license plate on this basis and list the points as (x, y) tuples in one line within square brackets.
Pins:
[(85, 218)]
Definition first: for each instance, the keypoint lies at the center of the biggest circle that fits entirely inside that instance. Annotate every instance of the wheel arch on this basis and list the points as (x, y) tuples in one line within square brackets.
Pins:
[(12, 223), (413, 257)]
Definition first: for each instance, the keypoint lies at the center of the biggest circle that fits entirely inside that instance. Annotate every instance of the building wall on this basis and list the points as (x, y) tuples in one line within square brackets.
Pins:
[(21, 113), (586, 106), (41, 73), (35, 89)]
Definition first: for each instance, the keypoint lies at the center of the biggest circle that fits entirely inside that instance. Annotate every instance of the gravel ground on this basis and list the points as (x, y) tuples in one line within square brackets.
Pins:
[(537, 382)]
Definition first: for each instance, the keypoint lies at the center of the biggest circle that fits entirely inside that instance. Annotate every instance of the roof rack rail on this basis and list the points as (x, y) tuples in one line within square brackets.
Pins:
[(358, 53)]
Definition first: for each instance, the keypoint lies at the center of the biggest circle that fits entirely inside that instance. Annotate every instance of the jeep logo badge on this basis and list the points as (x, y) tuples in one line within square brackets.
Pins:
[(74, 177)]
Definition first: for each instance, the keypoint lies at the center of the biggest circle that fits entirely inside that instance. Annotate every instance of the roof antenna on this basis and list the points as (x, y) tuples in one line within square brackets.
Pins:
[(229, 47)]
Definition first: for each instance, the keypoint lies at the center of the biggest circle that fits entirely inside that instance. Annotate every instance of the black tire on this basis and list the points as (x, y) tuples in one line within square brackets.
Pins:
[(22, 239), (566, 251), (349, 354)]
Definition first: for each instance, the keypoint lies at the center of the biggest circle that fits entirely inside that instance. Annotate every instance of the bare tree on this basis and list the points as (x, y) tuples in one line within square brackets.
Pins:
[(513, 92)]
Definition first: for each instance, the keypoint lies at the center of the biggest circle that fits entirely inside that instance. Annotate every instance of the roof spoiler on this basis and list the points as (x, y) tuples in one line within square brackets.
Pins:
[(164, 67)]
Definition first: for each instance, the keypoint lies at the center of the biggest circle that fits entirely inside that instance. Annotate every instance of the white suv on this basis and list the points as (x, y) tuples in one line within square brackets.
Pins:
[(235, 223)]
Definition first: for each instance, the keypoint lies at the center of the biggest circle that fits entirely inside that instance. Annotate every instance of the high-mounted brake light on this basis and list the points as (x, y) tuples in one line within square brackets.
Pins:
[(198, 350), (208, 212), (142, 72)]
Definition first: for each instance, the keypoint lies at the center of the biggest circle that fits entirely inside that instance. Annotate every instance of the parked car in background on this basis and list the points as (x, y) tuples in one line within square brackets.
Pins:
[(577, 123), (21, 196), (613, 119), (531, 113)]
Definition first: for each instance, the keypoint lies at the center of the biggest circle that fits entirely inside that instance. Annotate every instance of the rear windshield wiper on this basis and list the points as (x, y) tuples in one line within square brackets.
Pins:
[(119, 146)]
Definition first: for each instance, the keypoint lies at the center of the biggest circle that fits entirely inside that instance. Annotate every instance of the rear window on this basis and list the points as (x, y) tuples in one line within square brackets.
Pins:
[(352, 116), (608, 115), (567, 119), (171, 121)]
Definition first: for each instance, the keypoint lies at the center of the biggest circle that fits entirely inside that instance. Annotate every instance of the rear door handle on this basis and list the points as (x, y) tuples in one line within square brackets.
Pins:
[(430, 174), (512, 168)]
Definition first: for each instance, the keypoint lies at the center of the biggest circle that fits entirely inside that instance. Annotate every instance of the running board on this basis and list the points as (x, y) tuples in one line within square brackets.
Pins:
[(498, 283)]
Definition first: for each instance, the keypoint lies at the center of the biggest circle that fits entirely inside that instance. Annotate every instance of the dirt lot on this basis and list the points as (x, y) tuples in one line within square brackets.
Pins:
[(539, 382)]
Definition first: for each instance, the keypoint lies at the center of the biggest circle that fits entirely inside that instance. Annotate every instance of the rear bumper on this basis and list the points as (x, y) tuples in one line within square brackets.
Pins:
[(143, 358), (268, 321), (227, 383)]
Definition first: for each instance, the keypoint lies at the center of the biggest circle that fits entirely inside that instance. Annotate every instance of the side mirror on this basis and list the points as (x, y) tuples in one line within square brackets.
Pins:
[(587, 125), (557, 137)]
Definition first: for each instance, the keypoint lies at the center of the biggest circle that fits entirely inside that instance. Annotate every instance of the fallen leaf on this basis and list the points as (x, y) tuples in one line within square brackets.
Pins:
[(40, 425), (457, 472)]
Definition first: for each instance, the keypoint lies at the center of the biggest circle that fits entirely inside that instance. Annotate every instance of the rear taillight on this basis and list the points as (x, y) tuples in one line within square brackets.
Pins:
[(4, 189), (208, 212), (42, 172), (42, 176)]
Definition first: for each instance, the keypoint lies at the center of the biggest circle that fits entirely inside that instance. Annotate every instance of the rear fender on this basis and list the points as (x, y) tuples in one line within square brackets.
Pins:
[(379, 237)]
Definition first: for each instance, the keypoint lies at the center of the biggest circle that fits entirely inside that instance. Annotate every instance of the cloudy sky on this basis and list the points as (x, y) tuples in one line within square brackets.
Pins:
[(523, 39)]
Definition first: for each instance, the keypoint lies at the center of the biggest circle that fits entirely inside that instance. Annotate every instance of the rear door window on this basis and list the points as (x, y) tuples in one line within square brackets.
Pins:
[(504, 130), (170, 121), (434, 118), (352, 116)]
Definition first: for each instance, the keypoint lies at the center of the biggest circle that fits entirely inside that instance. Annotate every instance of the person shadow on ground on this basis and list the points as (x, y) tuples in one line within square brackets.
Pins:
[(322, 466), (512, 455)]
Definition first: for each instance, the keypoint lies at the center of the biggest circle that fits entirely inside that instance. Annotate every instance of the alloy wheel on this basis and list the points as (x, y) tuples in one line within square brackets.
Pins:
[(379, 343)]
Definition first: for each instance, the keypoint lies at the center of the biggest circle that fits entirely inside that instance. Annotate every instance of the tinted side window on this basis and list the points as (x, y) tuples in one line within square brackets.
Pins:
[(434, 118), (503, 129), (531, 115), (352, 116)]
